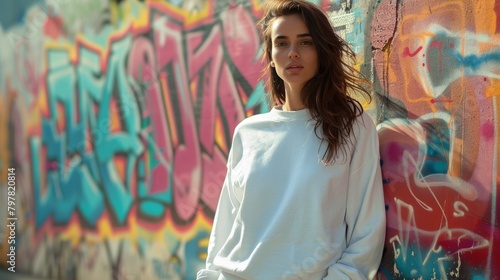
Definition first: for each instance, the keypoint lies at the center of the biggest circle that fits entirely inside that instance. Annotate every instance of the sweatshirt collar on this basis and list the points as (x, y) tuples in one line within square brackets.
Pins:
[(299, 115)]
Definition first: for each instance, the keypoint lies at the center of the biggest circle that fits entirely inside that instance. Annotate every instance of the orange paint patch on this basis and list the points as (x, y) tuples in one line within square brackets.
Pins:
[(483, 14), (34, 119), (193, 86), (61, 117), (219, 133), (134, 230), (189, 232), (104, 228), (249, 112), (73, 233), (42, 104), (157, 230), (121, 165), (115, 117), (393, 77), (493, 89)]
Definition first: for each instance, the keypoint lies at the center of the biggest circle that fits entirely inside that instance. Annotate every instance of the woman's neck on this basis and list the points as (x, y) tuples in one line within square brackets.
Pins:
[(292, 107), (293, 100)]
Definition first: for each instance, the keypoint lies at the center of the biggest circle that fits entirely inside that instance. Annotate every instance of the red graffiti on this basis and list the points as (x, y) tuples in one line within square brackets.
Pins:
[(406, 52)]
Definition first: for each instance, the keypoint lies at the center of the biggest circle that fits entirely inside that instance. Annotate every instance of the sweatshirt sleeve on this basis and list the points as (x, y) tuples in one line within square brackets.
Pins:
[(365, 213), (225, 215)]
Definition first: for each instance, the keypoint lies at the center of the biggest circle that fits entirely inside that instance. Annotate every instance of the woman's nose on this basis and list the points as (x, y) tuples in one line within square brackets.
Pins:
[(293, 53)]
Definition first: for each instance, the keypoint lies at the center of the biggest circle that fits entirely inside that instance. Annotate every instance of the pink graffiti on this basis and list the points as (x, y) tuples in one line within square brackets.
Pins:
[(54, 28), (143, 68), (205, 54), (488, 130), (187, 162), (219, 99), (242, 42), (27, 70)]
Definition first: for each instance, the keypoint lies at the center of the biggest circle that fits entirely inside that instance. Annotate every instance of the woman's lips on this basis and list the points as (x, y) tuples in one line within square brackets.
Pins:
[(294, 68)]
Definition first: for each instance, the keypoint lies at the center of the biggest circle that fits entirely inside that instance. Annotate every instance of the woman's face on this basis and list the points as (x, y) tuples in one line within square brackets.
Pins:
[(293, 52)]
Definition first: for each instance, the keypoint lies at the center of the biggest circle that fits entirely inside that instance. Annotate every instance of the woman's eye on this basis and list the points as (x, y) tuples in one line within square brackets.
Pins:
[(280, 44), (307, 43)]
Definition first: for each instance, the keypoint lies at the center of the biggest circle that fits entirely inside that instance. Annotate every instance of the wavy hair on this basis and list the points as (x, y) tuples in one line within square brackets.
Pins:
[(329, 95)]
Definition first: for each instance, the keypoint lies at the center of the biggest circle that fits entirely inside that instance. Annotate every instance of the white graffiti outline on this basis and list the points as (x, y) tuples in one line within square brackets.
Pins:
[(466, 190)]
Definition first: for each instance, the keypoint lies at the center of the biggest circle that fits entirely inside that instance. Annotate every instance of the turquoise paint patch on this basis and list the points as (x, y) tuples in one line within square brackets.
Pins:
[(152, 208), (258, 99)]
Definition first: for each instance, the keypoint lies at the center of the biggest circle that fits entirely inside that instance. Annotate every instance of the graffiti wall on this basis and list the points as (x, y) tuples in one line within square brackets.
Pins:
[(116, 119), (437, 66)]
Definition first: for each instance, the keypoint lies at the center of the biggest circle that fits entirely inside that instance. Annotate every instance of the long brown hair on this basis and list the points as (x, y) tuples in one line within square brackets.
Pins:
[(329, 96)]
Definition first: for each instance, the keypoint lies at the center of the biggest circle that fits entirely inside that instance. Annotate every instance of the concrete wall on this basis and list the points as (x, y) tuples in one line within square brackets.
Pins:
[(117, 118)]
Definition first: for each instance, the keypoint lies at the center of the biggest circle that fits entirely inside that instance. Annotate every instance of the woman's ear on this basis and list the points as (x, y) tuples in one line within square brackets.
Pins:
[(272, 64)]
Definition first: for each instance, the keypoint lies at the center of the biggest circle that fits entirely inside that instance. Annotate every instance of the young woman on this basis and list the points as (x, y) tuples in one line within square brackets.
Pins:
[(303, 193)]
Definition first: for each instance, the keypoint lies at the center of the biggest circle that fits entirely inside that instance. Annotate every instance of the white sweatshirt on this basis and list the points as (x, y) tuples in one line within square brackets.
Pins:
[(282, 214)]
